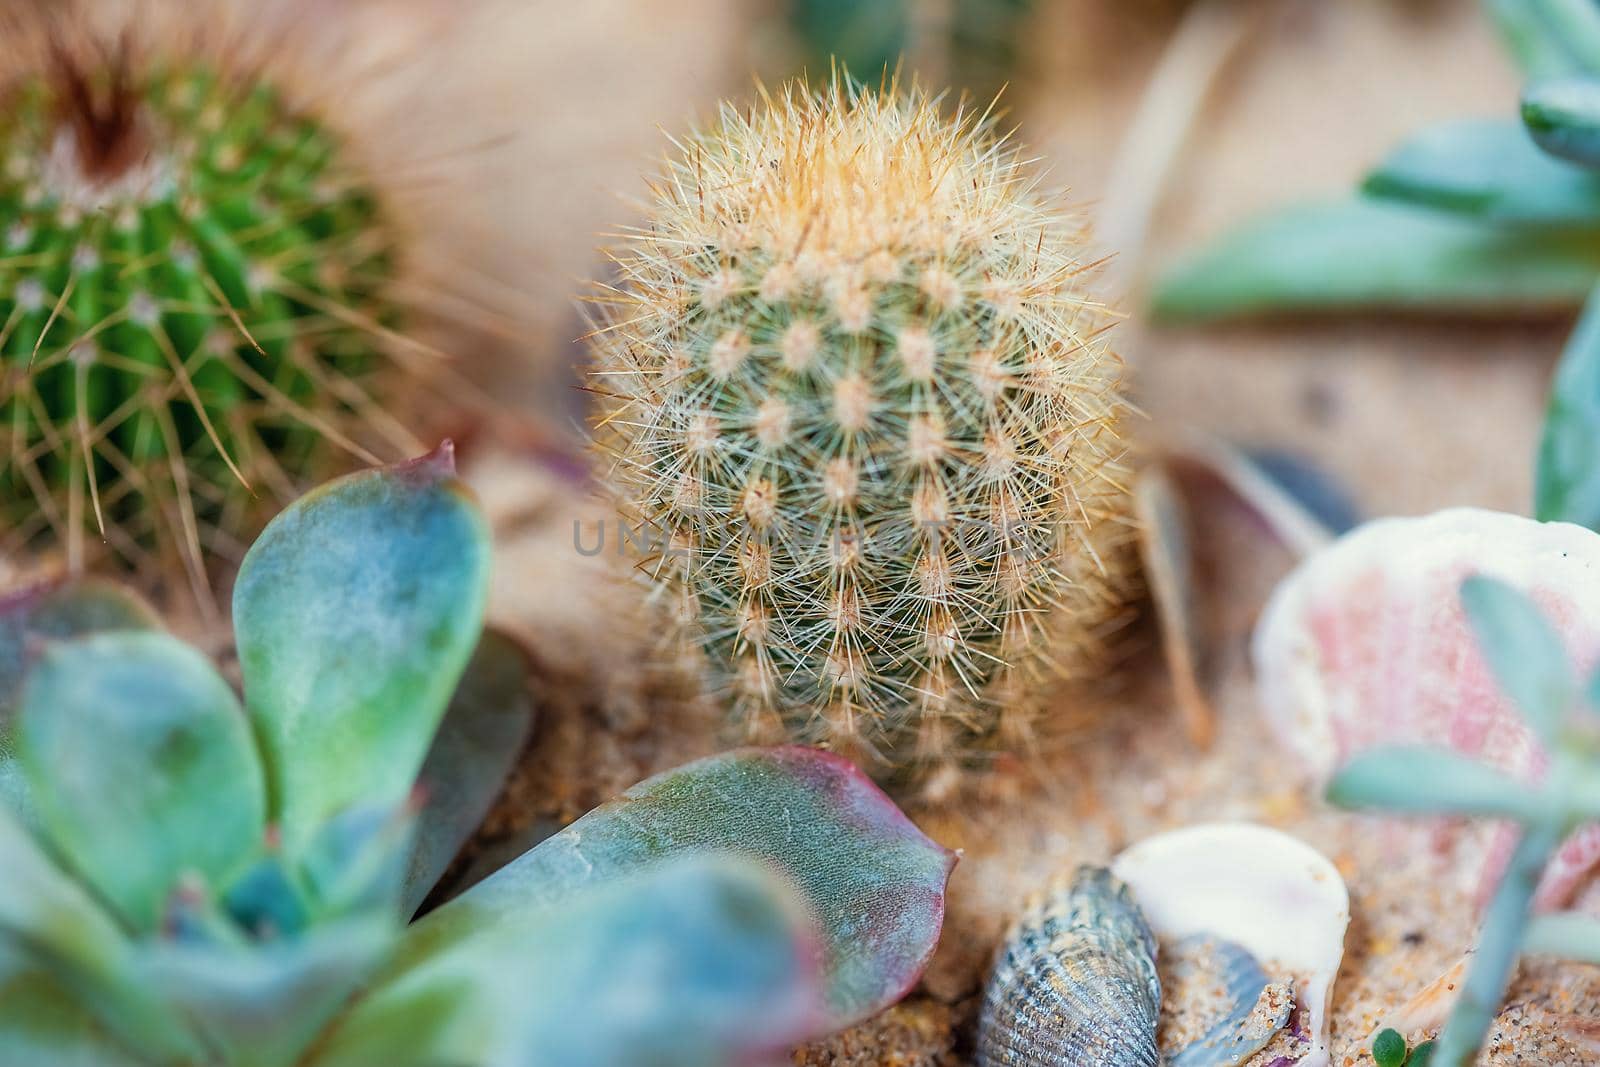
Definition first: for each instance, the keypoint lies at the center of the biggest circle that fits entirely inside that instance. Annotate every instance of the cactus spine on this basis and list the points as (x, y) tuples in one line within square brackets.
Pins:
[(193, 301), (855, 392)]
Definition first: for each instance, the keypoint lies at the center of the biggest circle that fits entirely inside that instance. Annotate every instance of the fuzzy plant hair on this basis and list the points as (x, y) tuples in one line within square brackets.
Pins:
[(858, 406), (199, 876), (210, 287)]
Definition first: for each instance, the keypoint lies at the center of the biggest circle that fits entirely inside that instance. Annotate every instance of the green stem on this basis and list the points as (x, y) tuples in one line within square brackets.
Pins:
[(1498, 948)]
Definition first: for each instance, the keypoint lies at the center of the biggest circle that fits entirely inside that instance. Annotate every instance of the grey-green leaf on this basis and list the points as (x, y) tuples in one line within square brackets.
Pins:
[(43, 1025), (52, 610), (52, 921), (59, 610), (482, 736), (1525, 652), (355, 612), (702, 962), (1567, 478), (263, 1005), (1564, 935), (1550, 37), (142, 767), (1489, 170), (1380, 255), (1563, 117), (873, 881), (1428, 781)]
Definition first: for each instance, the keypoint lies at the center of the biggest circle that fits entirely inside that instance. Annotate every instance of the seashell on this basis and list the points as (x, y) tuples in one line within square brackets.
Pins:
[(1240, 1031), (1075, 984), (1274, 896), (1367, 644)]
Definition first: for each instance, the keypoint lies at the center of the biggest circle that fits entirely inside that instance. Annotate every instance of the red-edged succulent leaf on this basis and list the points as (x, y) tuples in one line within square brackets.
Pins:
[(873, 882)]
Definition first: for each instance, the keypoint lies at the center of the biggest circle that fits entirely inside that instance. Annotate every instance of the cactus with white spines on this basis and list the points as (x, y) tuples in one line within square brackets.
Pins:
[(857, 392)]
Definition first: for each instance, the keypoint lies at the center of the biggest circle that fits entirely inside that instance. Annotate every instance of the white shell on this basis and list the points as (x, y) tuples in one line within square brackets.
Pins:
[(1271, 894), (1367, 644)]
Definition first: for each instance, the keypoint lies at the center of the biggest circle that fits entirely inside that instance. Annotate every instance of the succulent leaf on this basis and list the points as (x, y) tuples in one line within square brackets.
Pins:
[(42, 1024), (697, 963), (1550, 37), (1563, 117), (1430, 781), (479, 742), (1567, 935), (263, 1004), (872, 881), (55, 610), (1488, 170), (357, 860), (1372, 254), (49, 918), (1524, 651), (142, 767), (59, 610), (355, 613), (1567, 479)]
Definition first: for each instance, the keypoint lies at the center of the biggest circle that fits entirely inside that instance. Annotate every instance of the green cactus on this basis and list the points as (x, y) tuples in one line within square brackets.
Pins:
[(858, 399), (196, 880), (193, 306)]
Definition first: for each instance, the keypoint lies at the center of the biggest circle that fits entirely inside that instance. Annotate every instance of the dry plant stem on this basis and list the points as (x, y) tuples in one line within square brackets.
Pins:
[(1210, 36), (1496, 957)]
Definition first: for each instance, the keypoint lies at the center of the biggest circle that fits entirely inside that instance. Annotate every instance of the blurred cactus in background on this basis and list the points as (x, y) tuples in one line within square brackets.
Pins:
[(971, 45), (856, 394), (195, 295)]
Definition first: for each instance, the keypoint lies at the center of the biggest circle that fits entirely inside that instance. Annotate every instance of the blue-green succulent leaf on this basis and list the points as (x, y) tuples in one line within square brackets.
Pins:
[(874, 883), (1563, 117), (357, 861), (1380, 255), (1548, 38), (1490, 170), (48, 918), (478, 744), (52, 611), (1567, 479), (263, 1005), (1525, 652), (56, 611), (43, 1025), (142, 767), (355, 612), (1565, 935), (1430, 781), (697, 963)]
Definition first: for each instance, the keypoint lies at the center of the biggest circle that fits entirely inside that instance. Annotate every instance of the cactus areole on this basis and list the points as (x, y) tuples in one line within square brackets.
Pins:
[(191, 298), (858, 398)]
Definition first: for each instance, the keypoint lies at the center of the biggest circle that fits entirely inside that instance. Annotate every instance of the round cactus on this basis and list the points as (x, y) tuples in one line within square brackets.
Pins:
[(861, 416), (193, 308)]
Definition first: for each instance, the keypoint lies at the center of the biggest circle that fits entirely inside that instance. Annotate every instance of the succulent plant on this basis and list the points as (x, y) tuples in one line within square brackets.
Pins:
[(857, 398), (194, 880), (1480, 215), (1527, 655), (197, 294)]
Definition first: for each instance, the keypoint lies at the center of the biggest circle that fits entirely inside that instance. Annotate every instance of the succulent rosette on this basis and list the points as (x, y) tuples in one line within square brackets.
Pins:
[(192, 878)]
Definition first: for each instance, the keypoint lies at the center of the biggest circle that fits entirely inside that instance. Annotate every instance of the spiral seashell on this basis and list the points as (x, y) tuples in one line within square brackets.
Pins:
[(1075, 984)]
